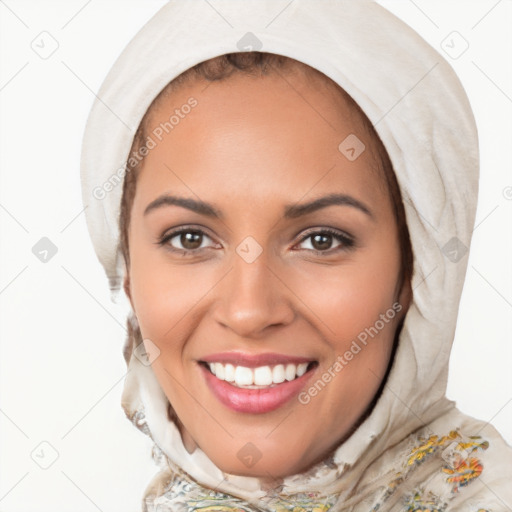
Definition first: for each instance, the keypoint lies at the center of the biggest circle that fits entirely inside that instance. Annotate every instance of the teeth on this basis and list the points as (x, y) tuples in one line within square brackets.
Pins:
[(262, 376), (229, 373), (278, 374), (219, 371), (290, 371), (301, 369), (243, 376)]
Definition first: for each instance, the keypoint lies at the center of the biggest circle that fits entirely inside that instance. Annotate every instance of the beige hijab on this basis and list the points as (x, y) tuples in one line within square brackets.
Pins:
[(423, 117)]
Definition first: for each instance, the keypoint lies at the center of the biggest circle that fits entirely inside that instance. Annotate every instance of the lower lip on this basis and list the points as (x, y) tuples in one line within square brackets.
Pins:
[(255, 401)]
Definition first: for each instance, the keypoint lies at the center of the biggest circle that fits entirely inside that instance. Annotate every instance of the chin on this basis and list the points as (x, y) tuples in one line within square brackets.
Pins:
[(251, 462)]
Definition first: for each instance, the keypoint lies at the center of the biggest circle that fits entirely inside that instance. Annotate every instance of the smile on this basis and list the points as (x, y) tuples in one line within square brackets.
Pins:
[(259, 377), (255, 384)]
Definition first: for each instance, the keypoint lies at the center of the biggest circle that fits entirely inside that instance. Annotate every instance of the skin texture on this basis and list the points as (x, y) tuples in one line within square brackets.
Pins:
[(251, 146)]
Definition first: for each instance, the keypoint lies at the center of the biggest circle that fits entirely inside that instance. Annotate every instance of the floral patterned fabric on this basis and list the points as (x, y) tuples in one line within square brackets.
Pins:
[(431, 472)]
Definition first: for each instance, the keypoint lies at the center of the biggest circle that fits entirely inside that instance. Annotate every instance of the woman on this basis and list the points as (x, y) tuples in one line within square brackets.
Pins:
[(287, 216)]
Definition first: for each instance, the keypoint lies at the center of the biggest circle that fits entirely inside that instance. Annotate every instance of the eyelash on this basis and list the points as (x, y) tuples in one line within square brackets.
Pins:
[(346, 241)]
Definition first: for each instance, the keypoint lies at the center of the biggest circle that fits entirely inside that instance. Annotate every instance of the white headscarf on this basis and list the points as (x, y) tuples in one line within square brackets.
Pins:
[(422, 114)]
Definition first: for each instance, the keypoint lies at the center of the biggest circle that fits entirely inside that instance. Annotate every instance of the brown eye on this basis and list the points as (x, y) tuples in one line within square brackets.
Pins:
[(322, 241), (185, 240), (191, 239)]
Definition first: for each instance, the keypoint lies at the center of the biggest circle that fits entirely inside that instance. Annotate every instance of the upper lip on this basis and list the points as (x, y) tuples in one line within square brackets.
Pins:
[(254, 360)]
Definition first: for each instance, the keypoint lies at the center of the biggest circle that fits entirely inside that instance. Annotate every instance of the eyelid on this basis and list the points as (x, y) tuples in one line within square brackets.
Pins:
[(345, 240), (164, 239)]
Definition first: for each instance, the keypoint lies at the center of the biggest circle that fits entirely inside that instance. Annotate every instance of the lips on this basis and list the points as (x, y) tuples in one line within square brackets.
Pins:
[(255, 383)]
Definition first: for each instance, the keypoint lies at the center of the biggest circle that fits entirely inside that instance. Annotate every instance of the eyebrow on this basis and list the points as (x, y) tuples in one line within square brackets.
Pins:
[(291, 211)]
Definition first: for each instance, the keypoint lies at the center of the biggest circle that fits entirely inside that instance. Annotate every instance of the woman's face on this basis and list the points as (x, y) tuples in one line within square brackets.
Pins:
[(277, 253)]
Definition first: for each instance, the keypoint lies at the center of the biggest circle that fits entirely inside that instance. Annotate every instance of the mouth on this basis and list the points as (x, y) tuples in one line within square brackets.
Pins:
[(259, 377), (253, 387)]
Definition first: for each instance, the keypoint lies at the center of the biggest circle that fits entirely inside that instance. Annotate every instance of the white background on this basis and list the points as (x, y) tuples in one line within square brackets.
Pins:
[(61, 364)]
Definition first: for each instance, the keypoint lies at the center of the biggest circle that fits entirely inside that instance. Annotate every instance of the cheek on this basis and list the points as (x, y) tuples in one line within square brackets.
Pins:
[(352, 296), (161, 294)]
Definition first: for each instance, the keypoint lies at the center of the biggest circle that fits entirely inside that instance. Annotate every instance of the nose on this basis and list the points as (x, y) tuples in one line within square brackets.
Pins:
[(252, 298)]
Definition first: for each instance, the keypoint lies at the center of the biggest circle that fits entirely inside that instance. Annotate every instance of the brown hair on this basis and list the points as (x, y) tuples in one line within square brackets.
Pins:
[(220, 68)]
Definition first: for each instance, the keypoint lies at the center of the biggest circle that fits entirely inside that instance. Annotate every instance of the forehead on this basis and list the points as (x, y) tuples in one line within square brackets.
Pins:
[(261, 133)]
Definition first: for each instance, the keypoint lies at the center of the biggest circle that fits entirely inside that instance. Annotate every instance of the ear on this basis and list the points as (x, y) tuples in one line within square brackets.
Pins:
[(405, 297), (126, 286)]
